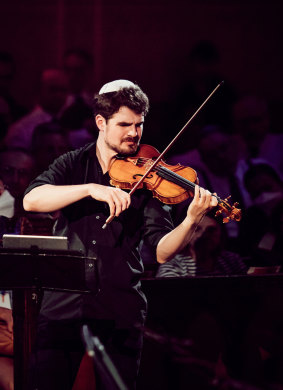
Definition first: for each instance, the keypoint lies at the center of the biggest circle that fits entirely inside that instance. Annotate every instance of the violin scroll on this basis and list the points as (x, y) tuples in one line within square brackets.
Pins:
[(231, 212)]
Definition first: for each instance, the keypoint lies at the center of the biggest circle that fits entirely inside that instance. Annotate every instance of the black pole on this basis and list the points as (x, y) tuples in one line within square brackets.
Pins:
[(102, 361)]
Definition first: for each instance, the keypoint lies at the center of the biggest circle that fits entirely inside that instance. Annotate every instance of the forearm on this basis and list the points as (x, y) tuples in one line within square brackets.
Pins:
[(177, 239), (48, 198), (173, 242)]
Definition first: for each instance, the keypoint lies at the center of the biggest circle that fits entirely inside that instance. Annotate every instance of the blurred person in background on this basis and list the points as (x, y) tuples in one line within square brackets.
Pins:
[(6, 318), (251, 122), (205, 254), (201, 73), (257, 230), (17, 169), (6, 342), (10, 109), (49, 141), (78, 66), (52, 97), (77, 115)]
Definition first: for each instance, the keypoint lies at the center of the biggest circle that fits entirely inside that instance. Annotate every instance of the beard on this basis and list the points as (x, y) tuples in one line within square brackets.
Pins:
[(125, 149)]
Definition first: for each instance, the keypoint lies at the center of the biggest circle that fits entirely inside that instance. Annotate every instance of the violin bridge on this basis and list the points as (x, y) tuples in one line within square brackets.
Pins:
[(134, 161)]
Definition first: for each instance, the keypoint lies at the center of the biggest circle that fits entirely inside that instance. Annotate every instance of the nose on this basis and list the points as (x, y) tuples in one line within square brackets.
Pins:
[(16, 176), (133, 131)]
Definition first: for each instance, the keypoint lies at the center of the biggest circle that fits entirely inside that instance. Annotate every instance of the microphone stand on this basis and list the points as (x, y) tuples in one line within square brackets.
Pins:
[(102, 361)]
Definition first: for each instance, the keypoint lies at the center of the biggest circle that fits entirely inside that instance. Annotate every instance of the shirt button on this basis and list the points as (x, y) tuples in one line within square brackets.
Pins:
[(97, 217), (94, 242)]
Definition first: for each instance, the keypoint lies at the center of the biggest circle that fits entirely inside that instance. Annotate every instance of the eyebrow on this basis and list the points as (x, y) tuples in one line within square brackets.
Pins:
[(129, 123)]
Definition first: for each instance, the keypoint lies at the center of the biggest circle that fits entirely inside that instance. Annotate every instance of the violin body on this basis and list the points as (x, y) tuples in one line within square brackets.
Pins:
[(125, 172)]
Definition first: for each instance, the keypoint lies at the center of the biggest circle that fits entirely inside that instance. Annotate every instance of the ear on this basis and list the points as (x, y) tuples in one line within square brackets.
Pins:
[(100, 122)]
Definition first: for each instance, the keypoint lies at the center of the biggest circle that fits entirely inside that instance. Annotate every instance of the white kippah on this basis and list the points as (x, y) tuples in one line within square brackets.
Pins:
[(116, 85)]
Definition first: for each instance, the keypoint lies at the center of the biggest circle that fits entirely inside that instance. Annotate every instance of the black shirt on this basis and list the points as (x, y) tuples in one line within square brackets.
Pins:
[(115, 248)]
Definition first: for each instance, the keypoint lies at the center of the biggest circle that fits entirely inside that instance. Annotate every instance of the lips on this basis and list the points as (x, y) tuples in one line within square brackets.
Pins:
[(131, 141)]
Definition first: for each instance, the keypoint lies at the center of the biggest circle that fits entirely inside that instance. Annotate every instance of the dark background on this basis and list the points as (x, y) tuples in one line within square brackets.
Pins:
[(147, 41)]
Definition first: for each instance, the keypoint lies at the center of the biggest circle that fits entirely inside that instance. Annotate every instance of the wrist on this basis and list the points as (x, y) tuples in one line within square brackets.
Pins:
[(188, 223), (195, 218), (89, 189)]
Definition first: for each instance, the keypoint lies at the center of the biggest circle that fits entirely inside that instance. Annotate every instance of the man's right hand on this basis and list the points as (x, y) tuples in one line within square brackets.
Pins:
[(117, 199)]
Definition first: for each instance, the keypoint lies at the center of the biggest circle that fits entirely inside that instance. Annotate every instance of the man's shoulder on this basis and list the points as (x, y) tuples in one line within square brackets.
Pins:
[(85, 151)]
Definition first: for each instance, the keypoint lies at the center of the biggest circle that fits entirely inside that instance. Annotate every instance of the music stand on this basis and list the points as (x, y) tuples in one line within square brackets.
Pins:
[(40, 243), (29, 265), (45, 262)]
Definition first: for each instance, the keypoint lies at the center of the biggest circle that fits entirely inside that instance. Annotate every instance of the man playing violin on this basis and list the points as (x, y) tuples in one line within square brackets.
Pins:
[(77, 183)]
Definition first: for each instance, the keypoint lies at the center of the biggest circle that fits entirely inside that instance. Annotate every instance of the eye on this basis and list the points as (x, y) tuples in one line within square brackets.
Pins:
[(8, 170)]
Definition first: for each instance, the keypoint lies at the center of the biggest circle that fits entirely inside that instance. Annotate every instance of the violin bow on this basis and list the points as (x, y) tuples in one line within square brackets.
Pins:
[(111, 217)]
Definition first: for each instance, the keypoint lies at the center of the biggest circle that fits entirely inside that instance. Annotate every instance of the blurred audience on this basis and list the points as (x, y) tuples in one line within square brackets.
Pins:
[(7, 202), (251, 121), (49, 141), (17, 170), (222, 159), (201, 73), (6, 342), (217, 162), (205, 255), (260, 226), (7, 209), (10, 109), (77, 113), (6, 318), (51, 99), (277, 230), (78, 65)]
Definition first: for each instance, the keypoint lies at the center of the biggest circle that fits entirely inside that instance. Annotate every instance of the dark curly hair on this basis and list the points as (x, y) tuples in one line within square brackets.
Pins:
[(107, 104)]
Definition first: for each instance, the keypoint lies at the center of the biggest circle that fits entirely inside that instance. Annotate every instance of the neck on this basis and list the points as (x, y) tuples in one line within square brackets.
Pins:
[(104, 155)]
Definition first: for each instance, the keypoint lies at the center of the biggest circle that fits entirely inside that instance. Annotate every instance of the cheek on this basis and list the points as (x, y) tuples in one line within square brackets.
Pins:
[(109, 134)]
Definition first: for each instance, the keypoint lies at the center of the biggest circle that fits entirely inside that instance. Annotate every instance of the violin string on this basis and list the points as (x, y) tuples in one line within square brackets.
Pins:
[(168, 173), (175, 178), (185, 183)]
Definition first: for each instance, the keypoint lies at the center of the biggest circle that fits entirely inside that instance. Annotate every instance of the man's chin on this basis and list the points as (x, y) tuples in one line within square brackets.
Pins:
[(129, 149)]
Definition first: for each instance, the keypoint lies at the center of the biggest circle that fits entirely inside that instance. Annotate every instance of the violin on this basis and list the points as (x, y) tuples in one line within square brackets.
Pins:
[(171, 184)]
